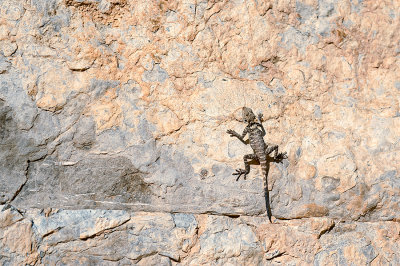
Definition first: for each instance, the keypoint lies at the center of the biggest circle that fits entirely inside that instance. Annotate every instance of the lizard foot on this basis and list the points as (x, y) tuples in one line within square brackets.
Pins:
[(281, 156), (231, 132), (260, 117), (240, 172)]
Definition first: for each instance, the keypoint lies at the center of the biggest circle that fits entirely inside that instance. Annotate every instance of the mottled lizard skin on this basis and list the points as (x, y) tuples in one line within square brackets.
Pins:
[(261, 150)]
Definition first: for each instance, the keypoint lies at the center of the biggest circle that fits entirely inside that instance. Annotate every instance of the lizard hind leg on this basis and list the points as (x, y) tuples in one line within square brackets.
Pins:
[(239, 172), (272, 148)]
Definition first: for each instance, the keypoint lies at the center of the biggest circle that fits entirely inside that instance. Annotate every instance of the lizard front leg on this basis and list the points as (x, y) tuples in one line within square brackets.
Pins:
[(239, 172), (260, 118), (233, 133)]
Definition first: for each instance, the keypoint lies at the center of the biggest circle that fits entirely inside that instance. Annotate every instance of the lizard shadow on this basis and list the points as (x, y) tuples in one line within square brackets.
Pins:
[(270, 159)]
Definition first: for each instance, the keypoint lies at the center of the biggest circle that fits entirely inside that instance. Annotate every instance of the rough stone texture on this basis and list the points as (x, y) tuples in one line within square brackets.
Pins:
[(53, 237), (113, 116)]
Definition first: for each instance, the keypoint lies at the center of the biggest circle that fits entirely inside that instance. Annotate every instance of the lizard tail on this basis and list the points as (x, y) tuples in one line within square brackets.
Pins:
[(265, 168), (266, 195)]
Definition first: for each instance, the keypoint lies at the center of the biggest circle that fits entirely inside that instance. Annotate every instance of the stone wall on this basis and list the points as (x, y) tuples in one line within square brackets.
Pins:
[(113, 119)]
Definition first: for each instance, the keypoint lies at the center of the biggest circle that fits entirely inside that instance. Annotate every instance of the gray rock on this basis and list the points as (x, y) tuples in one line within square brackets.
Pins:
[(343, 241), (326, 8), (13, 165), (205, 83), (356, 7), (155, 260), (397, 85), (305, 11), (112, 140), (20, 147), (148, 155), (225, 238), (4, 64), (9, 216), (329, 183), (104, 6), (11, 91), (261, 85), (317, 111), (300, 38), (46, 128), (85, 134), (116, 182), (253, 72), (131, 237), (183, 220), (157, 74), (13, 10), (132, 193), (95, 182), (45, 7), (99, 87), (145, 130), (69, 225)]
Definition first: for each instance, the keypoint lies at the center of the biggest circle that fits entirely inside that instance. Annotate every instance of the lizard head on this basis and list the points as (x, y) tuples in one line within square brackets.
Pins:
[(248, 115)]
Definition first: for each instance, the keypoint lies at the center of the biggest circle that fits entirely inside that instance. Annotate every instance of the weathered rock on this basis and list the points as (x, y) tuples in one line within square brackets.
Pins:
[(123, 105), (120, 237), (108, 183), (16, 151), (9, 216), (4, 64)]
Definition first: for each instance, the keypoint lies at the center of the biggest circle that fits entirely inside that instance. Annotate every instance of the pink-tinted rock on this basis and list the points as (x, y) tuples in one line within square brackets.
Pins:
[(113, 119)]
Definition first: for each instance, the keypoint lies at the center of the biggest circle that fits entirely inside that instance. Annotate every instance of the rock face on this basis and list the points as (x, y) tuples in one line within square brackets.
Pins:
[(113, 119)]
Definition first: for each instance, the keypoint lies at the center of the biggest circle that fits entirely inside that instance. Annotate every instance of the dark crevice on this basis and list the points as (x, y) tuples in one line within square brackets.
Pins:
[(230, 215), (107, 230), (9, 206), (23, 184), (173, 259), (26, 177), (234, 216), (277, 255), (327, 230), (52, 232)]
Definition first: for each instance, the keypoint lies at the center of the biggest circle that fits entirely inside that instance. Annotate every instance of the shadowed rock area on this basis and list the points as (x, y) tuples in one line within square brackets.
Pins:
[(91, 183), (113, 120)]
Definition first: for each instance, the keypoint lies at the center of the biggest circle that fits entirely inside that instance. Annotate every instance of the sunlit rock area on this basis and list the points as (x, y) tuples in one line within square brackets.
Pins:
[(113, 143)]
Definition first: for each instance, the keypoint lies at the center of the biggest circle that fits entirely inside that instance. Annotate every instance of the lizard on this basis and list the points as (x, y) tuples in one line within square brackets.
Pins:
[(261, 150)]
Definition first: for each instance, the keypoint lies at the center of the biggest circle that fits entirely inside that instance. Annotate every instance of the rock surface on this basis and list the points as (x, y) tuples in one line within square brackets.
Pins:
[(53, 237), (113, 119)]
